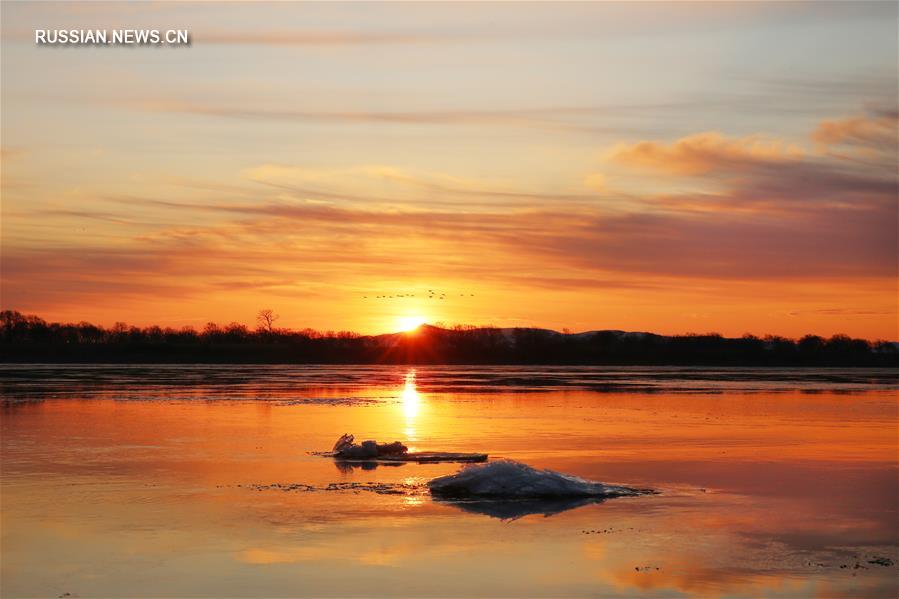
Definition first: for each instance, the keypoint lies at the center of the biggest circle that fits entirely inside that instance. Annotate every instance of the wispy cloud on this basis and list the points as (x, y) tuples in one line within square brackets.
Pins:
[(874, 133), (763, 170), (319, 37), (583, 119), (703, 153)]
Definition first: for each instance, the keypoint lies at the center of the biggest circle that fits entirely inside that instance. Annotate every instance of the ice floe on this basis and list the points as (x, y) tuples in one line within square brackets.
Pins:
[(506, 479)]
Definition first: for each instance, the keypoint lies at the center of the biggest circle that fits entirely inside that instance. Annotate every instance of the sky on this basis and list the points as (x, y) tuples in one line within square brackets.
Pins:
[(648, 166)]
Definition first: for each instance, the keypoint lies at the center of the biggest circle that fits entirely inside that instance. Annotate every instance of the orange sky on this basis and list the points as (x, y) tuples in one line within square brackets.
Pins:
[(690, 168)]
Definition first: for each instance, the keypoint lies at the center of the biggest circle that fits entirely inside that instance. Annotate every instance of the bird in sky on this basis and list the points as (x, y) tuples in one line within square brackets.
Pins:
[(440, 295)]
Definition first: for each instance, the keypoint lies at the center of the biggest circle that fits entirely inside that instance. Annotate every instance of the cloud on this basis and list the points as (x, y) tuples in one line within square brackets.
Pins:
[(391, 185), (578, 243), (316, 38), (704, 153), (818, 244), (842, 312), (428, 117), (757, 170), (574, 119), (877, 132)]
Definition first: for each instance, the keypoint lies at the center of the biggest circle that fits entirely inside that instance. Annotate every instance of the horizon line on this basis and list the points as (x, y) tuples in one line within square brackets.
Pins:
[(456, 327)]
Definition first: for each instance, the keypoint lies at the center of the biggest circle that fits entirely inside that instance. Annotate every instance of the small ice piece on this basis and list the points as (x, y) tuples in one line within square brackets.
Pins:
[(367, 450), (506, 479), (345, 440), (345, 448), (395, 448)]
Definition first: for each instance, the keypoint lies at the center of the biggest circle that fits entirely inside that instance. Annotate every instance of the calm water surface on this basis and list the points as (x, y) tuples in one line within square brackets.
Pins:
[(162, 481)]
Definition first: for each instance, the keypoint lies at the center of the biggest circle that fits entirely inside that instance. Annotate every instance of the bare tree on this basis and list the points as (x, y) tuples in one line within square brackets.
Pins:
[(266, 319)]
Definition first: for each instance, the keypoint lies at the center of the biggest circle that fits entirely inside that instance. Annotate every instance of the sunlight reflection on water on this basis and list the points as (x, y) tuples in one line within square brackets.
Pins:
[(411, 401)]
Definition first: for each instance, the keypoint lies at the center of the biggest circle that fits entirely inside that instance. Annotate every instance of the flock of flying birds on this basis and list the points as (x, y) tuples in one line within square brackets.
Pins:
[(431, 295)]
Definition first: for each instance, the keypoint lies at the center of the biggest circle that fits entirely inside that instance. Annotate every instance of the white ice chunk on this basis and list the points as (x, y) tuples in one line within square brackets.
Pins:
[(508, 479)]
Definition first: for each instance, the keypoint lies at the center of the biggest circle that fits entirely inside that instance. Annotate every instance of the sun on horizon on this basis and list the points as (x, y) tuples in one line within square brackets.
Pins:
[(407, 324)]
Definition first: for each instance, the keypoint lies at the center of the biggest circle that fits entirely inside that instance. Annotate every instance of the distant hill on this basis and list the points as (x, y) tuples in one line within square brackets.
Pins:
[(25, 338), (511, 334)]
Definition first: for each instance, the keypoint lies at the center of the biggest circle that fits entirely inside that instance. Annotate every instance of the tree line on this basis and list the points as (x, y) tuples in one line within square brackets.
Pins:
[(29, 338)]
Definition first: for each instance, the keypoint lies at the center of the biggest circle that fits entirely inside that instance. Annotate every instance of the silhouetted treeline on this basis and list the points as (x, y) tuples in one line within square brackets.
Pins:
[(26, 338)]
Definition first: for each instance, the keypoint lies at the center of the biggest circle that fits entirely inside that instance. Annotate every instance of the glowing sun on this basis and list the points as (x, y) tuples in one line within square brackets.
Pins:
[(410, 323)]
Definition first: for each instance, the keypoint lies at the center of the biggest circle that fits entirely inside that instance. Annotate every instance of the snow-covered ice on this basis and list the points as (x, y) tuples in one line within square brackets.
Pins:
[(506, 479)]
